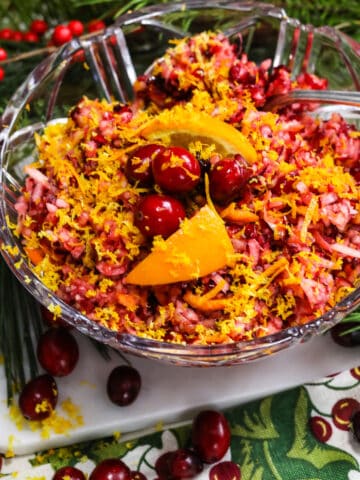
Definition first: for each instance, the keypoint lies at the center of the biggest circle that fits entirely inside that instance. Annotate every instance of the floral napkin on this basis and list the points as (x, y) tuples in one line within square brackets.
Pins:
[(302, 433)]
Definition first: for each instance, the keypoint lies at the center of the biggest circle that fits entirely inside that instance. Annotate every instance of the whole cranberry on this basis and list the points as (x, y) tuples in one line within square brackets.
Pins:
[(135, 475), (96, 25), (68, 473), (58, 351), (210, 435), (176, 170), (138, 166), (38, 26), (159, 215), (225, 471), (61, 34), (6, 33), (123, 385), (3, 54), (163, 465), (111, 469), (38, 398), (76, 27), (227, 179), (185, 463), (2, 74), (30, 37)]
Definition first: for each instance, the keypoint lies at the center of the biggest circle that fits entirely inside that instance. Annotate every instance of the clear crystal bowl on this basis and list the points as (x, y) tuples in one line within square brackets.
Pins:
[(114, 59)]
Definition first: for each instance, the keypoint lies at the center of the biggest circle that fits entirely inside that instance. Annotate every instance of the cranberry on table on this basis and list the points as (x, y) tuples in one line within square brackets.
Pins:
[(6, 33), (176, 170), (163, 465), (138, 166), (159, 215), (135, 475), (123, 385), (227, 179), (68, 473), (225, 471), (210, 435), (38, 398), (61, 34), (185, 463), (58, 351), (38, 26), (111, 469)]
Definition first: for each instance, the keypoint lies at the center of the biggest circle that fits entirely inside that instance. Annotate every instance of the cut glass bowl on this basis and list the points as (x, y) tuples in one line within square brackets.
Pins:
[(114, 58)]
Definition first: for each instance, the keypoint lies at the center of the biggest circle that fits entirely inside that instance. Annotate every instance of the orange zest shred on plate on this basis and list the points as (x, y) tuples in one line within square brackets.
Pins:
[(293, 234)]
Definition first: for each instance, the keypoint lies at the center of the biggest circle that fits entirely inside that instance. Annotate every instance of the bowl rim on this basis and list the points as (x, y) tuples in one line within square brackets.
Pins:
[(134, 343)]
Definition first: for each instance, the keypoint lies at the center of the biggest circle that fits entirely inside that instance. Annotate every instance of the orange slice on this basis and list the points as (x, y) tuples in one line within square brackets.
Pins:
[(180, 126), (199, 247)]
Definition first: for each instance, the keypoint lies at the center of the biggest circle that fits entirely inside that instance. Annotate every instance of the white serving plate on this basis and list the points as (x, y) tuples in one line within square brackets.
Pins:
[(171, 394)]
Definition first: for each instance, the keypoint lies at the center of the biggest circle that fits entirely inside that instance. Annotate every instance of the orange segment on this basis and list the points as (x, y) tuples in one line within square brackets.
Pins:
[(180, 126), (199, 247)]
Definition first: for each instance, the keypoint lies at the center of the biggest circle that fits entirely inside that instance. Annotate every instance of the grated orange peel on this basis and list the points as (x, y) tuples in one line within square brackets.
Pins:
[(181, 126)]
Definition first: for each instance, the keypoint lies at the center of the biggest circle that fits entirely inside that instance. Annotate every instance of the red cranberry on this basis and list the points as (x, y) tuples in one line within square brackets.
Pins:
[(227, 179), (61, 34), (58, 351), (38, 26), (342, 412), (138, 167), (38, 398), (2, 74), (111, 469), (76, 27), (3, 54), (225, 471), (123, 385), (17, 36), (185, 464), (320, 428), (96, 25), (6, 33), (159, 215), (175, 169), (68, 473), (137, 475), (30, 37), (163, 465), (210, 435)]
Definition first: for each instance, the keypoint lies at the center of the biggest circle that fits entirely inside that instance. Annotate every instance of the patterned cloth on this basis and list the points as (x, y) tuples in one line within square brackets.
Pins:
[(300, 434)]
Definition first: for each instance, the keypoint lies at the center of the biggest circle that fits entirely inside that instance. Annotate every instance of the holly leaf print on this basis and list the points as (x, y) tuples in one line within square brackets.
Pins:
[(272, 441)]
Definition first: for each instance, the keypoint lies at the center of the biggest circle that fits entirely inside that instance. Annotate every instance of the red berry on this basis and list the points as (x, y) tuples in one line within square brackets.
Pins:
[(227, 179), (6, 33), (210, 435), (175, 169), (16, 36), (225, 471), (3, 54), (30, 37), (61, 35), (38, 26), (38, 398), (76, 27), (138, 166), (123, 385), (159, 215), (96, 25), (111, 469), (163, 465), (137, 475), (68, 473), (2, 74), (185, 464), (58, 351)]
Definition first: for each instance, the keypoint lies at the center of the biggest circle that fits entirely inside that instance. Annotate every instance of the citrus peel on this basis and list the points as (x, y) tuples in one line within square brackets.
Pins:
[(200, 246), (181, 126)]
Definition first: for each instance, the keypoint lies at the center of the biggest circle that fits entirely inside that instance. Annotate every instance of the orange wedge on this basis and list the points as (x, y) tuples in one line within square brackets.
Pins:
[(200, 246), (181, 126)]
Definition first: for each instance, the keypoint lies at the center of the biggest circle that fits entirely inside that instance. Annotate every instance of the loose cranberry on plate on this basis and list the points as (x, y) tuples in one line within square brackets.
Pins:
[(111, 469), (123, 385), (68, 473), (210, 435), (38, 398)]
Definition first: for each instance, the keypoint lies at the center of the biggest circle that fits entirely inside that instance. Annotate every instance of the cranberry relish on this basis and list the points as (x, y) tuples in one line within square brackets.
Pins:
[(292, 216)]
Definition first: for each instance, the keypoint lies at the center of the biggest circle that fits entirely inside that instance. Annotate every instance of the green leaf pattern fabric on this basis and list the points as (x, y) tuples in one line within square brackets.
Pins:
[(300, 434)]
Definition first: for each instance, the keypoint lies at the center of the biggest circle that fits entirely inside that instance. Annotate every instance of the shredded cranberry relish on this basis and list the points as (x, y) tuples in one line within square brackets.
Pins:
[(293, 219)]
